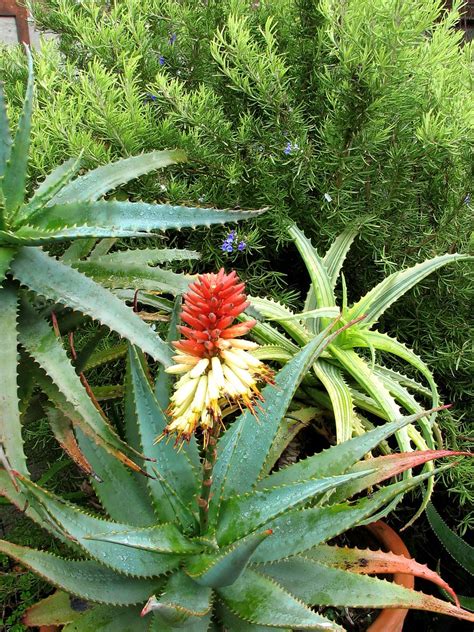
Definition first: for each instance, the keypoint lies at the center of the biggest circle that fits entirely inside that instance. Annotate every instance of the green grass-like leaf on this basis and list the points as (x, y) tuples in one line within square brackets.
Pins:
[(459, 550)]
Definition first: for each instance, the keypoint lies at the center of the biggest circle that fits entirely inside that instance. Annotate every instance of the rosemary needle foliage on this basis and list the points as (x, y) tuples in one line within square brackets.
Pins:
[(255, 556), (34, 283)]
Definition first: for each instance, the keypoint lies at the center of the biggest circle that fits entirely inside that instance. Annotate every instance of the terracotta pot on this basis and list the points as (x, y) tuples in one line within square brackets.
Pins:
[(391, 619)]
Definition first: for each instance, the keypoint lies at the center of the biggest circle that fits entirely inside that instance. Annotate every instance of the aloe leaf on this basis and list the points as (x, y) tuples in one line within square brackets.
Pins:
[(41, 343), (197, 624), (5, 137), (383, 342), (341, 398), (331, 312), (133, 275), (272, 310), (368, 562), (174, 466), (404, 380), (10, 490), (319, 524), (337, 459), (6, 255), (233, 623), (386, 467), (259, 507), (335, 256), (459, 550), (276, 606), (223, 568), (182, 601), (243, 449), (162, 538), (265, 334), (290, 426), (51, 278), (272, 352), (94, 184), (33, 236), (83, 578), (63, 431), (10, 423), (321, 292), (109, 619), (374, 304), (118, 482), (164, 381), (14, 173), (79, 526), (114, 218), (48, 188), (147, 256), (363, 375), (57, 609), (109, 354), (78, 249), (317, 270), (310, 581)]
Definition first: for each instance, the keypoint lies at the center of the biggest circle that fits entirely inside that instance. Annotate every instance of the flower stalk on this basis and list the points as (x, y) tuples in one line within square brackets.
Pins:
[(209, 460)]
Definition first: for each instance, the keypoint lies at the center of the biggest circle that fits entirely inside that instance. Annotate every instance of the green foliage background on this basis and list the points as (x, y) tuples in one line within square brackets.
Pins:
[(331, 113)]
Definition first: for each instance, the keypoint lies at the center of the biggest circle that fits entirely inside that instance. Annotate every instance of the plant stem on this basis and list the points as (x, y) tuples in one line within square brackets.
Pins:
[(209, 460)]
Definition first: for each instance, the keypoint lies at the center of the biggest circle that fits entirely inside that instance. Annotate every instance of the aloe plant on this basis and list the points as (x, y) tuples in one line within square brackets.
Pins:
[(72, 208), (213, 538), (347, 382)]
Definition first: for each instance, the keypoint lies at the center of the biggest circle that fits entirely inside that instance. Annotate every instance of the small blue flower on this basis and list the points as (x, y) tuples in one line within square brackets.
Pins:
[(467, 199), (290, 148), (161, 60), (172, 39), (228, 243), (151, 97)]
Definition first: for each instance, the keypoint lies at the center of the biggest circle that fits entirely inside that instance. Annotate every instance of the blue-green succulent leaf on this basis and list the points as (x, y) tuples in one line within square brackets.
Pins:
[(47, 189), (258, 599), (225, 566), (162, 538), (84, 578), (116, 217), (240, 515), (96, 183), (319, 584), (379, 299), (117, 482), (10, 423), (46, 276), (300, 529), (14, 172), (79, 526), (173, 466), (339, 458), (109, 619), (243, 449), (183, 602), (5, 136)]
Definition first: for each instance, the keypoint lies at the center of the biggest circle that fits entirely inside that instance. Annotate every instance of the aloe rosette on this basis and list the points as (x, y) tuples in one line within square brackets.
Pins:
[(36, 286), (213, 538), (351, 378)]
